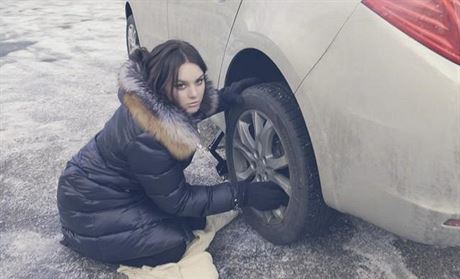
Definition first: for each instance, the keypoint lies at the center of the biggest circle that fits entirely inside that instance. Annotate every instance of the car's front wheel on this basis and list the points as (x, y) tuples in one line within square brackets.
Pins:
[(267, 139), (132, 39)]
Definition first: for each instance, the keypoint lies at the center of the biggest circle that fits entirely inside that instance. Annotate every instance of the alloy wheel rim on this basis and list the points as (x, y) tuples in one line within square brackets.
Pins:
[(258, 155), (132, 38)]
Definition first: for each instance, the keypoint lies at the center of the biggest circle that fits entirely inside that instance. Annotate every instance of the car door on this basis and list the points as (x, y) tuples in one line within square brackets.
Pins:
[(204, 24), (151, 22)]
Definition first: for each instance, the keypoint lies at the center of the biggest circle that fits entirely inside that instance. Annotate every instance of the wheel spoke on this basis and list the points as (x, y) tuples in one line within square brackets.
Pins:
[(132, 38), (277, 163), (245, 135), (266, 138), (244, 150), (279, 213), (258, 123), (246, 174), (281, 180), (268, 216)]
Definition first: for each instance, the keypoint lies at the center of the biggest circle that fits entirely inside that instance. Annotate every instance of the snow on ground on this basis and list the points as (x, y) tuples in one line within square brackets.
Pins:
[(58, 66), (58, 81)]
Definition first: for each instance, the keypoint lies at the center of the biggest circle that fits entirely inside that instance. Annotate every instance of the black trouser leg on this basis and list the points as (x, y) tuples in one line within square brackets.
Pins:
[(196, 223)]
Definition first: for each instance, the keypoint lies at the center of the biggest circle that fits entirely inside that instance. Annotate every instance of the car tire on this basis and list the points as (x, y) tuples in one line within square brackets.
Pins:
[(132, 39), (280, 122)]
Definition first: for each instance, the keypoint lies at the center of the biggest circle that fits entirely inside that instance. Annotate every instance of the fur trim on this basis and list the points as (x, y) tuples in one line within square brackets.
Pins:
[(169, 124)]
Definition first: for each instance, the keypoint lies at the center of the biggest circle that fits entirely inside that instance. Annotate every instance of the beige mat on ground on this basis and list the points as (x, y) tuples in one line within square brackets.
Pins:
[(196, 262)]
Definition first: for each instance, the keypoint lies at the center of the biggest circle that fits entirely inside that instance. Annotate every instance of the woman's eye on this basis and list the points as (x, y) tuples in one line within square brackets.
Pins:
[(200, 81), (180, 86)]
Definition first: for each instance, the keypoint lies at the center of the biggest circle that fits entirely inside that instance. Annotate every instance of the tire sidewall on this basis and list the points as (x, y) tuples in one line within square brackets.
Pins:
[(292, 225)]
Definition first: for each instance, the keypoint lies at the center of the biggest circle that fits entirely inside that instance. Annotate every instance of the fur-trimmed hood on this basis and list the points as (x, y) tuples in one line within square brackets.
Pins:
[(168, 123)]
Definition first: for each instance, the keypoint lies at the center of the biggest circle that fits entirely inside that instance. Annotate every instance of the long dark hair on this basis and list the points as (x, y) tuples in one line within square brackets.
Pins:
[(161, 65)]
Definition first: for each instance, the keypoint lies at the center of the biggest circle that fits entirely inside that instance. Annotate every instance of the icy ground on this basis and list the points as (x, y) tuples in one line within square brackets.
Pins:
[(58, 65)]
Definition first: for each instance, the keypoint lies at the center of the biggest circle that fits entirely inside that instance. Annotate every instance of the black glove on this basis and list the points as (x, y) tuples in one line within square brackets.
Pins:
[(261, 195), (230, 95)]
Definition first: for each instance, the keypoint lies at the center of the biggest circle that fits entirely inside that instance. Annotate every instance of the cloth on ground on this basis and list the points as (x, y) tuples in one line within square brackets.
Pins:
[(196, 262)]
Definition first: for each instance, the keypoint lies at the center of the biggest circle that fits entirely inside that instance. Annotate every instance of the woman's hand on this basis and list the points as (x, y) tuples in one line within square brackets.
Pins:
[(230, 95), (262, 195)]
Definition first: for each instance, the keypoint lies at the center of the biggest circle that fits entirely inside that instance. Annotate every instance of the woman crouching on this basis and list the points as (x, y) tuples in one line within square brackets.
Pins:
[(124, 198)]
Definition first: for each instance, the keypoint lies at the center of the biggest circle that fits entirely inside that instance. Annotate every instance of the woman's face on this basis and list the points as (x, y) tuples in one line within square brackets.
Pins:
[(189, 89)]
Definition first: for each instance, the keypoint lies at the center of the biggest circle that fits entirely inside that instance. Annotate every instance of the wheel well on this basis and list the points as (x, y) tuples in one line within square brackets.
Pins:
[(253, 63), (128, 10)]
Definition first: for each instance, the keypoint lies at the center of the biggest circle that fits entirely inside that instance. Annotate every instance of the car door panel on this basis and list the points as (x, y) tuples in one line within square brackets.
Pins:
[(151, 21), (204, 24), (312, 24)]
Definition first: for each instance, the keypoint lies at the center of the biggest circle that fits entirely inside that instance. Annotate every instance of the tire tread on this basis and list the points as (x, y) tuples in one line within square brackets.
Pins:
[(318, 215)]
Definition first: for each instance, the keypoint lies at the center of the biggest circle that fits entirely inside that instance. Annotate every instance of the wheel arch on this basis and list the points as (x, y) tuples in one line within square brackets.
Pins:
[(252, 62), (128, 10)]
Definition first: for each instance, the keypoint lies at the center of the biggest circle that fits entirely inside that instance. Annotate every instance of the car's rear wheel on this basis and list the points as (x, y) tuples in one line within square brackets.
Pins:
[(132, 39), (267, 139)]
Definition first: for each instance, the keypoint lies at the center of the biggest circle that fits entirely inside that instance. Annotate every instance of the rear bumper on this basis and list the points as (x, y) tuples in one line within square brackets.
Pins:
[(383, 112), (410, 219)]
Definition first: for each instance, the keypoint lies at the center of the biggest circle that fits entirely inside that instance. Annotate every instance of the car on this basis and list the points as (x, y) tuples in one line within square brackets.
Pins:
[(358, 110)]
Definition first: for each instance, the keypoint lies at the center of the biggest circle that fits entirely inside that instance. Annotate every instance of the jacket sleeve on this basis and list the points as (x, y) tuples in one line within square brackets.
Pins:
[(163, 180)]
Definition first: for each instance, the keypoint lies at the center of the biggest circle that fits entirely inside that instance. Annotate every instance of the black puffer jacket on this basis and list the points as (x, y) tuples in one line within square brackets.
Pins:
[(124, 194)]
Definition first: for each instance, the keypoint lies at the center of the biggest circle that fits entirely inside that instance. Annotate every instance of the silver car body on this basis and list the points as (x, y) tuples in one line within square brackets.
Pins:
[(382, 110)]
